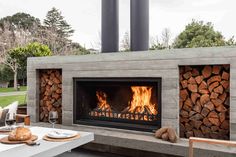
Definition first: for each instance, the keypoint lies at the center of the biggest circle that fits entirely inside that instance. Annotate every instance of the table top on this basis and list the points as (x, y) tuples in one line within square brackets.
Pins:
[(46, 148)]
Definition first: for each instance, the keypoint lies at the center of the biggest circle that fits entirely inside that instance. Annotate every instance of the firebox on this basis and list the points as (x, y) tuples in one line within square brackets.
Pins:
[(127, 103)]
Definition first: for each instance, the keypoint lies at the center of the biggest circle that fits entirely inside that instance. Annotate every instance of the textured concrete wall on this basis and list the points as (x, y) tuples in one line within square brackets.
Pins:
[(163, 64)]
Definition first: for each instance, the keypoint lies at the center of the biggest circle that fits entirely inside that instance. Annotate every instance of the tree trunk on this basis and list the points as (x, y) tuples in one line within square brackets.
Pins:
[(15, 77)]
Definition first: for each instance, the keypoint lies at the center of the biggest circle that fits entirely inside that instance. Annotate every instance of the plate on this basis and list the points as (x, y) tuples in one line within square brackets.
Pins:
[(62, 134), (5, 129)]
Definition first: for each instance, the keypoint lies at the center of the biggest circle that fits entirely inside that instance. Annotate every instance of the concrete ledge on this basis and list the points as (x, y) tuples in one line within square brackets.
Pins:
[(147, 142)]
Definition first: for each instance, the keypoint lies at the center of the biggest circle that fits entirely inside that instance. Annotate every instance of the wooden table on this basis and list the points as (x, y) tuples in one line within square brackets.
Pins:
[(45, 149)]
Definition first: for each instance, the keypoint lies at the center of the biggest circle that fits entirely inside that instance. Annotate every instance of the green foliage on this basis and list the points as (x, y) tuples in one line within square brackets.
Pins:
[(21, 54), (199, 34), (55, 21), (6, 100), (21, 20), (77, 49), (6, 73)]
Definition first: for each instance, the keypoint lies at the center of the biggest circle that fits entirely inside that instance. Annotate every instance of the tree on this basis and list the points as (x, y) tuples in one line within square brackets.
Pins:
[(125, 43), (21, 20), (17, 57), (166, 35), (56, 22), (199, 34)]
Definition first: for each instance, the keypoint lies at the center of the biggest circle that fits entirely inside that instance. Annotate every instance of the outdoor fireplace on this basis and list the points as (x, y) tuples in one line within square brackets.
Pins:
[(128, 103)]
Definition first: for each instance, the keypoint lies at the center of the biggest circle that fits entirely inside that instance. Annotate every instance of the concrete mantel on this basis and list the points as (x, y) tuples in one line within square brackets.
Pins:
[(164, 64)]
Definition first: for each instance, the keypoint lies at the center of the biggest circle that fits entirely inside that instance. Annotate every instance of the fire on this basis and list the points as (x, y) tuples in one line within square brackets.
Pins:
[(102, 101), (141, 101)]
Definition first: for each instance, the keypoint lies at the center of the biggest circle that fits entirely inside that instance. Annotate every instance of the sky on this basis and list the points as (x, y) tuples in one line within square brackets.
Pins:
[(85, 15)]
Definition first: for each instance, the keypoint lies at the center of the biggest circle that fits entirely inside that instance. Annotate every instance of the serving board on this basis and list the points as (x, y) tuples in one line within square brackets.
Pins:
[(46, 138), (6, 141)]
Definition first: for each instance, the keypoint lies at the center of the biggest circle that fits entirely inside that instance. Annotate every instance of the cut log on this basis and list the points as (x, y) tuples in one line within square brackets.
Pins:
[(196, 124), (222, 116), (183, 94), (205, 130), (194, 97), (191, 80), (203, 85), (214, 121), (219, 89), (199, 79), (184, 83), (188, 105), (206, 72), (225, 84), (188, 127), (204, 99), (214, 95), (225, 125), (184, 113), (216, 69), (187, 75), (195, 72), (221, 108), (209, 105), (187, 68), (207, 122), (189, 134), (214, 128), (197, 108), (191, 113), (217, 102), (212, 79), (205, 111), (213, 114), (193, 87), (197, 133), (213, 85), (196, 117), (225, 75)]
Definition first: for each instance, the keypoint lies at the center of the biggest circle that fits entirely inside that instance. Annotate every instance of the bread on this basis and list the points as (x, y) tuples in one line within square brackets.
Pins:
[(160, 131), (172, 135), (20, 134)]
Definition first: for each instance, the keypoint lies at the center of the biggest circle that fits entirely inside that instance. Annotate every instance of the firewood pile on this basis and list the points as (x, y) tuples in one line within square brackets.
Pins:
[(50, 94), (204, 101)]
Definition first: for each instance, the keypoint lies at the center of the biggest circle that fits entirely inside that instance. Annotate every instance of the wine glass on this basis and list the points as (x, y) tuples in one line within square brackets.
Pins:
[(53, 117), (10, 120)]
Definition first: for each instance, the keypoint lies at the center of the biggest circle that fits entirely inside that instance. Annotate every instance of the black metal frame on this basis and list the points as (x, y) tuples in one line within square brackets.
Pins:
[(140, 125)]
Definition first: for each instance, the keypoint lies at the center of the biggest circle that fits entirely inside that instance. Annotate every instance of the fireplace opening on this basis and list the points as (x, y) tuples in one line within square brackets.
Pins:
[(127, 103)]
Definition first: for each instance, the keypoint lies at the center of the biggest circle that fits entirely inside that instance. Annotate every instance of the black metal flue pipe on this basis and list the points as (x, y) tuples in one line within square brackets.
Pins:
[(139, 25), (110, 26)]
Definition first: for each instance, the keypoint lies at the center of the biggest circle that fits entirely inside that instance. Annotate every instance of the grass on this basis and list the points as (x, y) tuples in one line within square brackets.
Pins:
[(6, 100), (22, 88)]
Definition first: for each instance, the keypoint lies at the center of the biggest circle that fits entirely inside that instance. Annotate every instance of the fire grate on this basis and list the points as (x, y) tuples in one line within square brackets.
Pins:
[(118, 115)]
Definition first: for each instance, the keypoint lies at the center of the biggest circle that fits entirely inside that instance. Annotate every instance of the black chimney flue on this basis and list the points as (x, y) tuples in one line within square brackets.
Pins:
[(139, 25), (110, 26)]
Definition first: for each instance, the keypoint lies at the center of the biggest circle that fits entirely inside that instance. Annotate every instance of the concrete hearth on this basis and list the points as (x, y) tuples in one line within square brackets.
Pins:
[(164, 64)]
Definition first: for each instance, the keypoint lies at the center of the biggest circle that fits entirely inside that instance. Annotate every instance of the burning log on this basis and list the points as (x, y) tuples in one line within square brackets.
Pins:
[(204, 109)]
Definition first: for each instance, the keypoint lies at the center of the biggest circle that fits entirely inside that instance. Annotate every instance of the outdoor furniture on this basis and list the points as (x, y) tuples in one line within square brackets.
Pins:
[(25, 118), (208, 141), (46, 148)]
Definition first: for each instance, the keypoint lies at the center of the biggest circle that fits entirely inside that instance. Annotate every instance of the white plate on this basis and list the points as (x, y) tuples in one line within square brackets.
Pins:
[(62, 134)]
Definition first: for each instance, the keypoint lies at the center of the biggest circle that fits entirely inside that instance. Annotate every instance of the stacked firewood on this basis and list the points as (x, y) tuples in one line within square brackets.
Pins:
[(50, 93), (204, 101)]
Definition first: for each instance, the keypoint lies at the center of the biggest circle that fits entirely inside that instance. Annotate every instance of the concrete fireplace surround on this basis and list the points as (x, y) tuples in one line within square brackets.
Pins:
[(164, 64)]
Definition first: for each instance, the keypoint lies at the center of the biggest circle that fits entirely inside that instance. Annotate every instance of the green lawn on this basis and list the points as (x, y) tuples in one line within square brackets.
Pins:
[(22, 88), (6, 100)]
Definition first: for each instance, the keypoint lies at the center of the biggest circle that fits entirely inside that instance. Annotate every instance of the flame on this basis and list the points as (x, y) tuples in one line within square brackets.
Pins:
[(141, 100), (102, 101)]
